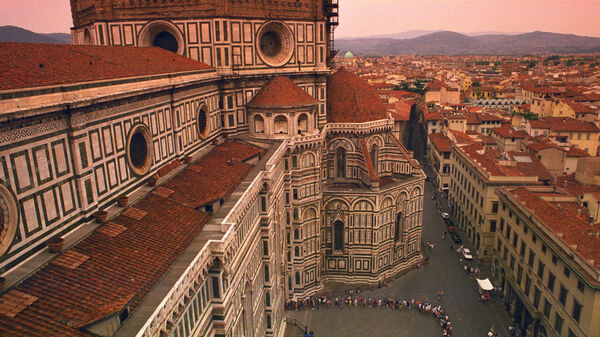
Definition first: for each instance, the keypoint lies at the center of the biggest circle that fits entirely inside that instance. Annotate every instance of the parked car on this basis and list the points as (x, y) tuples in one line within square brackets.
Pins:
[(451, 229), (467, 254), (456, 238), (449, 222), (445, 216)]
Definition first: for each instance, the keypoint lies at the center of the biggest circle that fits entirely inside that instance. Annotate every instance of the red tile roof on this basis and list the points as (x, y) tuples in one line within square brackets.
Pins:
[(436, 85), (121, 261), (579, 108), (564, 124), (441, 142), (574, 151), (219, 173), (574, 187), (506, 131), (400, 110), (432, 116), (352, 100), (281, 92), (566, 222), (28, 65)]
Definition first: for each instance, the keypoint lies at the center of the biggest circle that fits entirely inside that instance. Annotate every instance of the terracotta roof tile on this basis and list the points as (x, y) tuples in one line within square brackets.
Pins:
[(565, 220), (506, 131), (27, 65), (436, 85), (70, 259), (574, 151), (564, 124), (121, 269), (135, 213), (352, 100), (218, 173), (111, 229), (574, 187), (14, 301), (441, 142), (281, 92), (163, 191)]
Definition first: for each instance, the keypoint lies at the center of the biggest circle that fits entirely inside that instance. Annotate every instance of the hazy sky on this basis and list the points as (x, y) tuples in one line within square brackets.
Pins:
[(369, 17)]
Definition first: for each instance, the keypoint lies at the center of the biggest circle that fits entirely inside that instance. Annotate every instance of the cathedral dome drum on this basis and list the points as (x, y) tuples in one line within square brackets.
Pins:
[(281, 109)]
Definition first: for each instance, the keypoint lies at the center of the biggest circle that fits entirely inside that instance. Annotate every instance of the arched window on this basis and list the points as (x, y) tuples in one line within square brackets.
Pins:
[(398, 230), (288, 238), (340, 159), (281, 124), (338, 235), (87, 37), (259, 124), (374, 154), (296, 251), (269, 322), (303, 123), (297, 278), (289, 283), (296, 234), (268, 299), (266, 273), (295, 214)]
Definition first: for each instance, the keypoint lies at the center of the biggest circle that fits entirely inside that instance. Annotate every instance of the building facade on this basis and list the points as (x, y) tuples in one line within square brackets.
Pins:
[(549, 277), (269, 184)]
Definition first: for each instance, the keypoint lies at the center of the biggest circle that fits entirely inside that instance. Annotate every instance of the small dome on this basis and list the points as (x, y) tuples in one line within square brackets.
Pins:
[(349, 55), (281, 92), (350, 99)]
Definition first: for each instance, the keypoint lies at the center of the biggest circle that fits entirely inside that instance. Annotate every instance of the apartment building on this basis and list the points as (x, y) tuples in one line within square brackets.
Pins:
[(576, 132), (476, 174), (439, 159), (546, 258)]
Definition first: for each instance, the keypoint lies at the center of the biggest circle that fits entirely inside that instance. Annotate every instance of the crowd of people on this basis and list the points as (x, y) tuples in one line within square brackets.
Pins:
[(358, 301)]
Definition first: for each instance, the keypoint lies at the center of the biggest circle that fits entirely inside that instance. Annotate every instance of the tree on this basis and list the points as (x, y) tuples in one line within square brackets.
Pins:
[(476, 84)]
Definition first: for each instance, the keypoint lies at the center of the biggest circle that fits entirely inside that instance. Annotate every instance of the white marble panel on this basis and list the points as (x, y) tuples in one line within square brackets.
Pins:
[(50, 205), (67, 196), (41, 160), (30, 214), (22, 171), (61, 161)]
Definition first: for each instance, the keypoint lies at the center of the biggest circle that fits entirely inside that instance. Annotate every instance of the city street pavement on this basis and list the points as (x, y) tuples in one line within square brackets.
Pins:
[(469, 317)]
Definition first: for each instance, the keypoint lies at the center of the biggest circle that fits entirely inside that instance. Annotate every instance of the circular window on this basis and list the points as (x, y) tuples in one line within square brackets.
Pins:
[(275, 43), (165, 40), (270, 44), (139, 149), (162, 34), (202, 121), (9, 217)]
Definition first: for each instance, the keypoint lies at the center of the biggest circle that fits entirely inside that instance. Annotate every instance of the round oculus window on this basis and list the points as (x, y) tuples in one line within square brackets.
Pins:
[(165, 40), (9, 218), (162, 34), (139, 149), (275, 43), (202, 121)]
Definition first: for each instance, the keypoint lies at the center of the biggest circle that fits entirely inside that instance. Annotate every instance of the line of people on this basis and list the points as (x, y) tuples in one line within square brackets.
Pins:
[(316, 302)]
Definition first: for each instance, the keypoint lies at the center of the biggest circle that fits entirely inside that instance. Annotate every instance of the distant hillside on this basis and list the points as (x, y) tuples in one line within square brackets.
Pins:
[(451, 43), (17, 34)]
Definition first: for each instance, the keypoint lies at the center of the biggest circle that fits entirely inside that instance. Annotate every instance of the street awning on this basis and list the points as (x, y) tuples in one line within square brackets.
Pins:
[(485, 284)]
